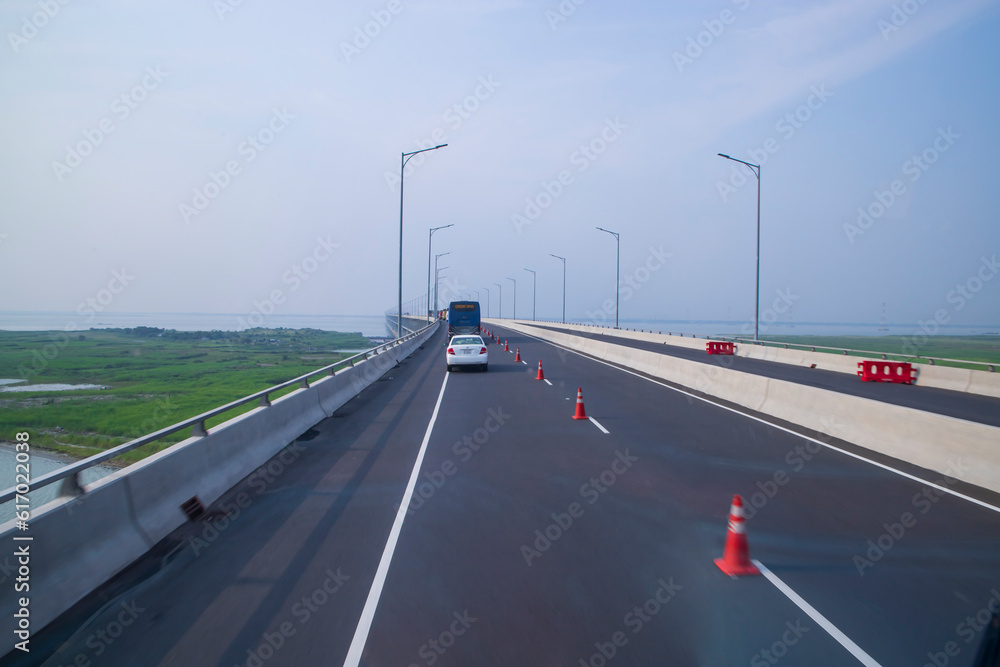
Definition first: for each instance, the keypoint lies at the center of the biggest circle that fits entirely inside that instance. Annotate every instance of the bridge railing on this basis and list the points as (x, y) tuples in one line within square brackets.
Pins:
[(70, 475), (900, 356)]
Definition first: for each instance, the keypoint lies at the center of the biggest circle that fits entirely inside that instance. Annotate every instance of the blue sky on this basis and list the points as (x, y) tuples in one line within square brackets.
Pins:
[(835, 99)]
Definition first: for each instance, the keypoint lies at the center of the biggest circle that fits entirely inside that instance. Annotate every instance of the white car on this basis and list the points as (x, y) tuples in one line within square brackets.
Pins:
[(467, 351)]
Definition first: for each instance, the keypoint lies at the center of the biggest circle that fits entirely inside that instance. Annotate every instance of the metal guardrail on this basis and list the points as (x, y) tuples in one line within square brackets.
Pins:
[(989, 367), (69, 474)]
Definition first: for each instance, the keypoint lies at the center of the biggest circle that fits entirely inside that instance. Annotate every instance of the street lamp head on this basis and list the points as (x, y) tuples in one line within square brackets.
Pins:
[(725, 156), (440, 146)]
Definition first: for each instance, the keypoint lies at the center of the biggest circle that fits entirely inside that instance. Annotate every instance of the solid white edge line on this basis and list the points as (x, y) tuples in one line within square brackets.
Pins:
[(821, 620), (598, 425), (907, 475), (548, 383), (375, 593)]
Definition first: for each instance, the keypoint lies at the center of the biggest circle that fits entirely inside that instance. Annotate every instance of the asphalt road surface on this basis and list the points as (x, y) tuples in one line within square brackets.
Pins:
[(971, 407), (536, 539)]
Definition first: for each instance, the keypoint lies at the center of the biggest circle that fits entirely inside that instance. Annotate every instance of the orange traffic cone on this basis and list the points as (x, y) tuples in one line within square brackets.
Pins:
[(735, 560), (517, 355), (505, 348), (498, 340), (580, 412), (541, 375)]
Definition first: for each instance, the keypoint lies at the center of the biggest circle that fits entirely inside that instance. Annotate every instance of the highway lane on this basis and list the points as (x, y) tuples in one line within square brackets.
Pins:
[(664, 519), (505, 460), (971, 407), (298, 556)]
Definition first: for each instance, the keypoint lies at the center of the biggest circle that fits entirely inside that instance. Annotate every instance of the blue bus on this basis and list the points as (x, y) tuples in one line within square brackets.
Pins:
[(463, 317)]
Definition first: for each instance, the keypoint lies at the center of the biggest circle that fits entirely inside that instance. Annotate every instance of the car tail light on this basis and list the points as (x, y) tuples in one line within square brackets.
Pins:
[(451, 351), (482, 350)]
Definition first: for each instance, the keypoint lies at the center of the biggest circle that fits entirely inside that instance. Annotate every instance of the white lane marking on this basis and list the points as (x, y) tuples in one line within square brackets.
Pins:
[(548, 383), (368, 613), (943, 489), (524, 362), (598, 425), (831, 629)]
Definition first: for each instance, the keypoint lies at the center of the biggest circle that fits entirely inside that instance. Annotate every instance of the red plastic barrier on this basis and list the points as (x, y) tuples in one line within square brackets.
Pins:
[(887, 371), (715, 347)]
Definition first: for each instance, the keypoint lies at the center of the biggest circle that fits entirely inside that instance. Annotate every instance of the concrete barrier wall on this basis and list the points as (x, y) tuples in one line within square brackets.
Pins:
[(925, 439), (970, 381), (81, 542)]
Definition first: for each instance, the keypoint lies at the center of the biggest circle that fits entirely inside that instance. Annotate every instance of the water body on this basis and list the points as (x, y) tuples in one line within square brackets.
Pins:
[(41, 463), (11, 388), (745, 329), (367, 325)]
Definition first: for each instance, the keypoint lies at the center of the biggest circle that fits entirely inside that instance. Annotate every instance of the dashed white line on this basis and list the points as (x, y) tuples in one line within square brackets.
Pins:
[(548, 383), (821, 620), (598, 425), (371, 604), (942, 489)]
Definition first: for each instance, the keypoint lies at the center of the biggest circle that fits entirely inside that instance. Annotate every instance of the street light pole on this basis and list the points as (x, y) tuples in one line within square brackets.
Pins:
[(534, 291), (564, 284), (437, 279), (430, 235), (515, 295), (500, 299), (755, 168), (436, 257), (618, 269), (487, 301), (403, 159)]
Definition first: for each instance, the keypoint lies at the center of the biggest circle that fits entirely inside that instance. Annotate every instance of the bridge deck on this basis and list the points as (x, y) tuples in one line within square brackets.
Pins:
[(971, 407), (286, 581)]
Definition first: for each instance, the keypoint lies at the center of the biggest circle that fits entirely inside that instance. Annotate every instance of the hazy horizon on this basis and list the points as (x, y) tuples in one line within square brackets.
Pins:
[(241, 158)]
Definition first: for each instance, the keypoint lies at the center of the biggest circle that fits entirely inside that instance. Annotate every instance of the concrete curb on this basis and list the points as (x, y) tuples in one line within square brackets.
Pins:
[(81, 542), (942, 377), (932, 441)]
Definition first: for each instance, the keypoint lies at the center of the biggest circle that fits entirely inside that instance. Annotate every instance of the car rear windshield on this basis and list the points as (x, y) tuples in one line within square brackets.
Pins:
[(467, 340)]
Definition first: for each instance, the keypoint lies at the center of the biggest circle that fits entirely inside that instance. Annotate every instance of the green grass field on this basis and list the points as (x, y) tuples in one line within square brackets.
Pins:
[(970, 348), (153, 379)]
